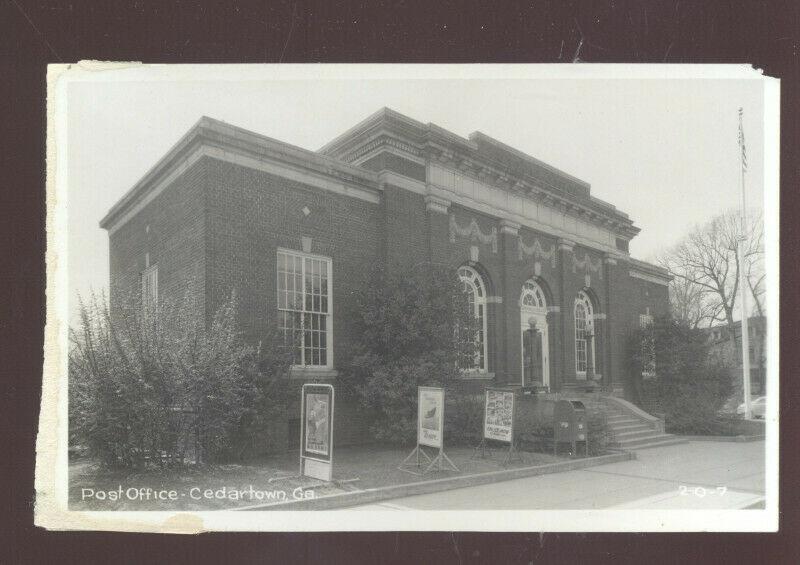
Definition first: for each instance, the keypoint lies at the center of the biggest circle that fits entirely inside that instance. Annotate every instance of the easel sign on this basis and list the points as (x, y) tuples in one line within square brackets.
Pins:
[(498, 423), (316, 431), (430, 433), (498, 420), (430, 416)]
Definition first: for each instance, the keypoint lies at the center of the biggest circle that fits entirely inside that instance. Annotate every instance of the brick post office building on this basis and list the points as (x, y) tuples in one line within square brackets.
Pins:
[(296, 232)]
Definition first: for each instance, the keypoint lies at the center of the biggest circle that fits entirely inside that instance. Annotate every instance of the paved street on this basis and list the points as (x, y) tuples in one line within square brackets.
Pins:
[(694, 475)]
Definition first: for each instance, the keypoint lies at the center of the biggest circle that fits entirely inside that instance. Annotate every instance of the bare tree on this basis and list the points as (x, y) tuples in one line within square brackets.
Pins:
[(705, 269), (689, 302)]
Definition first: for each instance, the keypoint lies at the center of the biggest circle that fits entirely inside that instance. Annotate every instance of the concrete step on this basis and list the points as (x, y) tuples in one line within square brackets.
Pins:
[(623, 420), (647, 440), (671, 440), (634, 434), (630, 428)]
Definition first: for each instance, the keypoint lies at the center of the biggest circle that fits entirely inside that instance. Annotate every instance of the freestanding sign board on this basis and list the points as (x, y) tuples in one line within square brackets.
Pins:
[(430, 433), (498, 420), (316, 431), (430, 416)]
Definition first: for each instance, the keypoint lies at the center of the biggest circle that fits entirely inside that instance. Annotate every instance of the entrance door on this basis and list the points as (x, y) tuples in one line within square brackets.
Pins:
[(535, 362)]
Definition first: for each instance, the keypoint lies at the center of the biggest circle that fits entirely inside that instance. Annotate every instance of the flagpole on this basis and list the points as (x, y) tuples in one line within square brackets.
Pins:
[(743, 281)]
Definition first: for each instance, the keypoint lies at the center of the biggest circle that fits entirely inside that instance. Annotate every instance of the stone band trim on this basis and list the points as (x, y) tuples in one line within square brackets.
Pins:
[(284, 170), (649, 278)]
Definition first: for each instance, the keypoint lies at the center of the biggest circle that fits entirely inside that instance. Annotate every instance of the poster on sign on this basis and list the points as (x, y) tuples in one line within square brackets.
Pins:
[(317, 410), (498, 421), (430, 417), (316, 435)]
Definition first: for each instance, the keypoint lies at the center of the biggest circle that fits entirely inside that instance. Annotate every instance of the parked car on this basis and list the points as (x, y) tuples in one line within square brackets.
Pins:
[(758, 407)]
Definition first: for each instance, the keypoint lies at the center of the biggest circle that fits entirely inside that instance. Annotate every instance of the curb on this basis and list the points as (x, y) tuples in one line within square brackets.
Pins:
[(737, 439), (368, 496)]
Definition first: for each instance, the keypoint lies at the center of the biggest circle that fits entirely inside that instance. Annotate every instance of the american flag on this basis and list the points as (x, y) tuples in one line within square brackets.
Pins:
[(741, 141)]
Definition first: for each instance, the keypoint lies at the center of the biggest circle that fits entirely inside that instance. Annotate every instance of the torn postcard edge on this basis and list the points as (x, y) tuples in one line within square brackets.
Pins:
[(51, 508)]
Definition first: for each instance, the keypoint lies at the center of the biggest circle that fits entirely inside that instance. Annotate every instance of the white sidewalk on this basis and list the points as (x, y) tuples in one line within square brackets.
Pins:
[(694, 475)]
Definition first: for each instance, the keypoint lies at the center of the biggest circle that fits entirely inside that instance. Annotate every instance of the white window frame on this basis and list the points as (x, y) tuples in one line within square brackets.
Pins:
[(584, 301), (149, 289), (531, 288), (648, 357), (468, 277), (328, 315)]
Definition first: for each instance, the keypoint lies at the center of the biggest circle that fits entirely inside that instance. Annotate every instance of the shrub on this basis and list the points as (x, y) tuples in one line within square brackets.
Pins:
[(463, 417), (690, 387), (415, 329), (599, 433), (160, 388)]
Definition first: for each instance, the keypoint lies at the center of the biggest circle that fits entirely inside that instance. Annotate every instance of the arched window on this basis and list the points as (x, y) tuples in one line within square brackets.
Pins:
[(532, 295), (584, 334), (476, 295)]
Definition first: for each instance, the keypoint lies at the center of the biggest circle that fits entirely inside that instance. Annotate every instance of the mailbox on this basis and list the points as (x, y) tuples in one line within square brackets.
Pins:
[(569, 425)]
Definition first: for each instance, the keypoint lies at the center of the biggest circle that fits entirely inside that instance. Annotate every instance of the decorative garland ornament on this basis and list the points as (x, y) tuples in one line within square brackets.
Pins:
[(473, 232), (536, 251), (587, 264)]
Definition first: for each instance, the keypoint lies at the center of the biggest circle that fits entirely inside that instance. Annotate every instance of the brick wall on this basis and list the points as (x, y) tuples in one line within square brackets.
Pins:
[(218, 227), (632, 298), (171, 228), (250, 215)]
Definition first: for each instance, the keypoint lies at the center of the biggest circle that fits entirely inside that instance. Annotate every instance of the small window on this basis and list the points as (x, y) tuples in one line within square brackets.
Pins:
[(305, 312), (150, 289)]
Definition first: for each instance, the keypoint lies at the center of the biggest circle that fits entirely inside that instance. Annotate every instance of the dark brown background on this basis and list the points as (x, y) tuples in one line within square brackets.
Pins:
[(35, 33)]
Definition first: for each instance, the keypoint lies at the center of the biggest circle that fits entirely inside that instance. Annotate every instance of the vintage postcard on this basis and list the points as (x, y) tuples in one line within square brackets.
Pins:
[(399, 297)]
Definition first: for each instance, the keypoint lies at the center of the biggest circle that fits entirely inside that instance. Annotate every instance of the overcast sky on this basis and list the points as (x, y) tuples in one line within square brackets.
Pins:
[(664, 151)]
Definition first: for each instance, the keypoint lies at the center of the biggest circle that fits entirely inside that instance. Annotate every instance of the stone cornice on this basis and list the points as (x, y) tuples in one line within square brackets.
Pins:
[(436, 204), (648, 272), (382, 140), (565, 244), (479, 157), (509, 227), (609, 259), (217, 139), (590, 210)]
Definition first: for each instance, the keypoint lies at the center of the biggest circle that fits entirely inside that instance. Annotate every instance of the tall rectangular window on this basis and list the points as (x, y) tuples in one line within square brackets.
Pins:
[(305, 310), (648, 346), (149, 289), (581, 358)]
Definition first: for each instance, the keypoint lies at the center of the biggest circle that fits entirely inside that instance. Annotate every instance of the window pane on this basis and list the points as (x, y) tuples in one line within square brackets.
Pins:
[(303, 289)]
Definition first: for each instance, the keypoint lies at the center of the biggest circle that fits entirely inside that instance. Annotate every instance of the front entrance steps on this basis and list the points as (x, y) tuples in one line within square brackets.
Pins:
[(632, 429)]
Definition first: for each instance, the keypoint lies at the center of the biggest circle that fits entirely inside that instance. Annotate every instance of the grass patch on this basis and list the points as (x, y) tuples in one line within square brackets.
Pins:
[(186, 489)]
